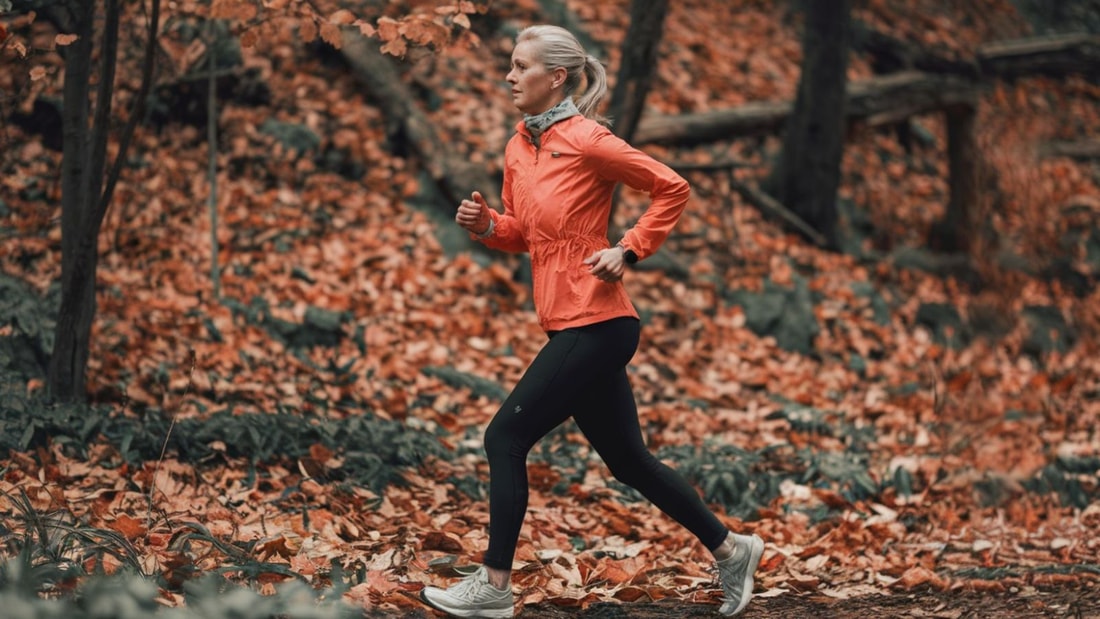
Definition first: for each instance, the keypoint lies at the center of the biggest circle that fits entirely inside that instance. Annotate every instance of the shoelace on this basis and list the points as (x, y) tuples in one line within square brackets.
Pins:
[(470, 587)]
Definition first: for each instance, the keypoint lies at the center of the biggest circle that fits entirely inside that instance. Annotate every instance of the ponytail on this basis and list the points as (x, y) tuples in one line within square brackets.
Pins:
[(595, 89)]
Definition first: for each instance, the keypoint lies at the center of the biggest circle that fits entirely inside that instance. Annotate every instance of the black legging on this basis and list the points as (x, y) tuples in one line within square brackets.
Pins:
[(581, 373)]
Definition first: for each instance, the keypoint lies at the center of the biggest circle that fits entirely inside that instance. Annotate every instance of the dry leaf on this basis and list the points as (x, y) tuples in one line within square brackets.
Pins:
[(342, 17), (331, 34)]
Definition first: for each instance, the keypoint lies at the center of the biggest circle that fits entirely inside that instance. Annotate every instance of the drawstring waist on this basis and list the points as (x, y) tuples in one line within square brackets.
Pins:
[(541, 251)]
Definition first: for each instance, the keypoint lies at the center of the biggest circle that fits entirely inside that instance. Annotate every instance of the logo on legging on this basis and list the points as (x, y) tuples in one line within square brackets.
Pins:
[(519, 409)]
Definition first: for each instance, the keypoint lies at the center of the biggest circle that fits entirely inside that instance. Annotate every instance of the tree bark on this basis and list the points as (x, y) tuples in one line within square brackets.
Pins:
[(69, 358), (807, 174), (952, 233), (639, 61)]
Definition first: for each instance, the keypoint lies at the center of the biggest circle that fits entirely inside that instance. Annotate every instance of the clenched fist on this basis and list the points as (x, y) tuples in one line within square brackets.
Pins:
[(473, 214)]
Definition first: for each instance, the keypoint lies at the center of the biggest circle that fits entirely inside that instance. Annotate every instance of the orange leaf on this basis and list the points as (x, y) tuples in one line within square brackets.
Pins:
[(130, 528), (342, 17), (426, 32), (307, 29), (388, 28), (395, 47), (61, 39), (366, 29), (918, 575), (444, 542)]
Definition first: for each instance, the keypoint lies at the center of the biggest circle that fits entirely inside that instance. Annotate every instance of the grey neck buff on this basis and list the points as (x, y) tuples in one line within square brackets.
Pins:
[(539, 123)]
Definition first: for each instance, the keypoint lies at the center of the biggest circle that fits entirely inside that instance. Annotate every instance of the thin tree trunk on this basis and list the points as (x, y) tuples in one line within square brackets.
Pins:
[(639, 61), (212, 154), (74, 321), (639, 54), (807, 175)]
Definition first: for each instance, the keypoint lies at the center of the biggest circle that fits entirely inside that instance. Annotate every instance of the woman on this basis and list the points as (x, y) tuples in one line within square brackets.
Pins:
[(559, 173)]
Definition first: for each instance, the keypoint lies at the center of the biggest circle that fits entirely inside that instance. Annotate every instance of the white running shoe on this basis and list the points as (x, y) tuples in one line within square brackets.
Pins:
[(473, 596), (735, 573)]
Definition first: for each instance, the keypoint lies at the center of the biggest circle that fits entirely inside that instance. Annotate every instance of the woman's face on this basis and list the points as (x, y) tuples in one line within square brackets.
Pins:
[(534, 88)]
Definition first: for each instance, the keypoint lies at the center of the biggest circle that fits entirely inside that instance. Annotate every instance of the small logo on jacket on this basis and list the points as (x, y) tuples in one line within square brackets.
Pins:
[(519, 409)]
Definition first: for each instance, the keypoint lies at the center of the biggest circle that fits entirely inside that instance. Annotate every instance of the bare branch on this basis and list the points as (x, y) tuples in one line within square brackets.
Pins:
[(136, 111)]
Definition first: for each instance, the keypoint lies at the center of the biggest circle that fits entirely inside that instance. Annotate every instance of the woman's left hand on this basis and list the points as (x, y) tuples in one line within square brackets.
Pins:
[(607, 264)]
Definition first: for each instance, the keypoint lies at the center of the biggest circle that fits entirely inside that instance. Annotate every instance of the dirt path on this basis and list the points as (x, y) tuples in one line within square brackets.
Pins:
[(1069, 603)]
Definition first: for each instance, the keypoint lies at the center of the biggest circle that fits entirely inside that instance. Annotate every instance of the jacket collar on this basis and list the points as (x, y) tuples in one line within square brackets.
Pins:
[(521, 128)]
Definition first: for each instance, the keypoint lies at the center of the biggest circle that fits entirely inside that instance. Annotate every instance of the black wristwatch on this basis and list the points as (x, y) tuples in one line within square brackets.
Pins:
[(628, 254)]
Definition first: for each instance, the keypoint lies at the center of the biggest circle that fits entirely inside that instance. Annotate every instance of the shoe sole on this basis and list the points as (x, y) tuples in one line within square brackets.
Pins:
[(756, 550), (488, 613)]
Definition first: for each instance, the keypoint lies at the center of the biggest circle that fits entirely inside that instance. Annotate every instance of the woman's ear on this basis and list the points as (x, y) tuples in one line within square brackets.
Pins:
[(559, 75)]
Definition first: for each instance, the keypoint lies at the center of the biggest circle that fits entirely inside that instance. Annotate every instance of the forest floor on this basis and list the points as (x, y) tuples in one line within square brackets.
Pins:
[(1066, 602)]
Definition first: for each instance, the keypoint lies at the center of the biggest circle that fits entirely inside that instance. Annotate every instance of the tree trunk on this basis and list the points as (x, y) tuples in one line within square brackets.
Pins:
[(85, 189), (78, 256), (807, 175), (952, 233), (639, 61)]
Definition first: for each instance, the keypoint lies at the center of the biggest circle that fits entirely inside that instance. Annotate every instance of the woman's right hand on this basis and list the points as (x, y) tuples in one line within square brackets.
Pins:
[(473, 214)]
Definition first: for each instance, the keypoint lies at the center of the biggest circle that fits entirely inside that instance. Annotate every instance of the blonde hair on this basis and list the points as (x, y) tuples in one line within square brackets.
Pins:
[(558, 47)]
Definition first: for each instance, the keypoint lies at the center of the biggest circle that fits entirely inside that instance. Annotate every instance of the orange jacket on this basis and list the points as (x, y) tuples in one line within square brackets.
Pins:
[(557, 199)]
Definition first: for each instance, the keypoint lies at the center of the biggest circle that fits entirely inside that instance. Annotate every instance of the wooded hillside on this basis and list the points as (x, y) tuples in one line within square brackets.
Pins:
[(888, 418)]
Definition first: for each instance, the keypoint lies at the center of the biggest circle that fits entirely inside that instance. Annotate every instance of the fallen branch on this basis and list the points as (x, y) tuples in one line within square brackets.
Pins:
[(768, 204), (1079, 149), (454, 176), (721, 165)]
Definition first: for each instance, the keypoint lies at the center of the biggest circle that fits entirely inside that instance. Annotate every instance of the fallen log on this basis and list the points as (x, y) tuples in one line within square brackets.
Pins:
[(1080, 149), (1054, 56), (880, 99), (890, 54), (893, 97), (454, 176)]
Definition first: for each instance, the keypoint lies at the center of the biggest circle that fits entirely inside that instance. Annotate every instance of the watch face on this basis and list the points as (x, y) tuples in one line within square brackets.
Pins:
[(630, 256)]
